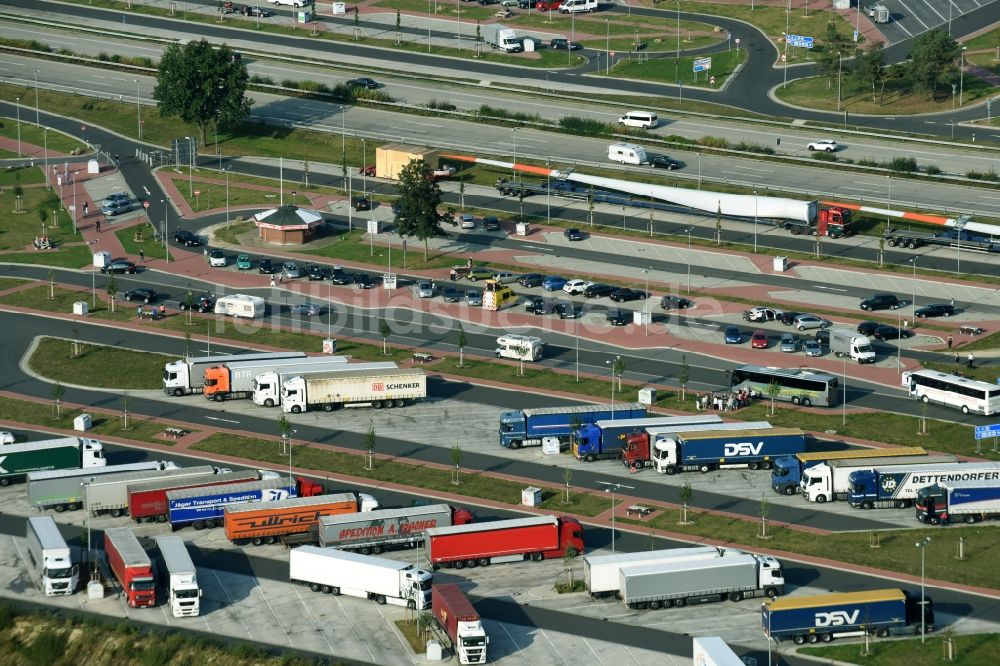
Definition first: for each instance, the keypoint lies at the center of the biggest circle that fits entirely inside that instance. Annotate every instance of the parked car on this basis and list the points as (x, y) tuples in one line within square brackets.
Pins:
[(363, 82), (451, 295), (563, 44), (758, 340), (575, 287), (361, 203), (425, 289), (266, 266), (553, 283), (880, 302), (807, 322), (935, 310), (533, 304), (199, 302), (884, 332), (491, 223), (479, 273), (868, 327), (789, 343), (291, 270), (599, 290), (217, 258), (119, 266), (733, 335), (663, 162), (823, 337), (474, 297), (619, 317), (315, 272), (811, 347), (140, 294), (112, 208), (365, 281), (244, 262), (308, 309), (339, 276), (256, 11), (529, 280), (567, 311), (626, 294), (675, 303), (573, 234), (466, 221), (504, 277), (787, 317), (186, 238), (117, 197), (827, 145), (759, 314)]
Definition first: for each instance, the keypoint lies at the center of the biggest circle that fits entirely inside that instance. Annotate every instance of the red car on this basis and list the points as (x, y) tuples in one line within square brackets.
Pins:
[(759, 339), (367, 170), (549, 6)]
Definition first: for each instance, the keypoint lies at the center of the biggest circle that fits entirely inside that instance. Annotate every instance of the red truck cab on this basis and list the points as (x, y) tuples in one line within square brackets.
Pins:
[(131, 566), (636, 453), (834, 222)]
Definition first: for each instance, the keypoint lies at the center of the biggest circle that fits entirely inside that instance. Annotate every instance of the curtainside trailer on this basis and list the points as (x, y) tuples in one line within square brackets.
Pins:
[(363, 388), (371, 533), (228, 381), (109, 493), (460, 622), (383, 581), (719, 449), (653, 447), (828, 480), (266, 390), (786, 475), (606, 439), (531, 427), (17, 460), (203, 508), (897, 486), (62, 489), (259, 523), (187, 375), (147, 500), (951, 501), (515, 540)]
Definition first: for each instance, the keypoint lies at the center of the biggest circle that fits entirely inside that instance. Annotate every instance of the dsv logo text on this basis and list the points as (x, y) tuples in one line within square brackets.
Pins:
[(742, 448), (837, 618)]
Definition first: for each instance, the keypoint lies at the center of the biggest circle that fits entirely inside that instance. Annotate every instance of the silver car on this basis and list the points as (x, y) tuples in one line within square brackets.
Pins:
[(291, 270), (812, 347), (789, 343), (425, 289), (807, 321), (307, 309), (474, 298)]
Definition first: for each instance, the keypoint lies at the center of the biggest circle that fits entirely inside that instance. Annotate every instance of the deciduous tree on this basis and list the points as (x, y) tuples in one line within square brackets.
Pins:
[(932, 60), (419, 200)]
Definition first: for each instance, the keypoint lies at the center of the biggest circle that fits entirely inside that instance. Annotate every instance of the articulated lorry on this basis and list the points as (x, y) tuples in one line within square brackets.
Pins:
[(364, 388), (387, 529), (786, 475), (828, 481), (383, 581), (897, 487), (951, 501), (224, 382), (109, 493), (531, 427), (845, 342), (460, 622), (720, 449), (270, 522), (605, 439), (186, 375), (204, 508), (667, 584), (147, 500), (651, 448), (601, 572), (16, 460), (51, 558), (180, 578), (823, 617), (62, 489), (481, 544), (267, 386), (131, 566)]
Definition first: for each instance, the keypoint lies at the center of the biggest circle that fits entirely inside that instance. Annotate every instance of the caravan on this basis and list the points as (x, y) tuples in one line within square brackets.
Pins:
[(627, 153), (241, 305), (519, 347)]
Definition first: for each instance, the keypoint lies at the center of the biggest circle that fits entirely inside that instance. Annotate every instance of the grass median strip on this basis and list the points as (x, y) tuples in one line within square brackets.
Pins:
[(97, 365), (969, 650)]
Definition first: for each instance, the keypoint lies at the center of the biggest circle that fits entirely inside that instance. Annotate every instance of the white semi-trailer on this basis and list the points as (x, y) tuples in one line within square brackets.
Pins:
[(180, 577), (384, 581), (374, 388)]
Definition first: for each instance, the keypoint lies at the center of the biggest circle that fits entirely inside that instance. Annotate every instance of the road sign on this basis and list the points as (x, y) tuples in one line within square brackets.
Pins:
[(702, 64), (855, 35), (799, 40), (711, 80), (737, 41), (145, 204), (987, 431), (197, 193)]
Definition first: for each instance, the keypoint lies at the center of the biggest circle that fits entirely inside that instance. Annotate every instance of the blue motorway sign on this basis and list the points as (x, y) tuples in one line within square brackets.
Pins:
[(702, 64), (800, 40), (986, 431)]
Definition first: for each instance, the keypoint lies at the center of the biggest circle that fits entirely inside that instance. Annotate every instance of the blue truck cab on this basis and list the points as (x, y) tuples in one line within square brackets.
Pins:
[(605, 439), (529, 427)]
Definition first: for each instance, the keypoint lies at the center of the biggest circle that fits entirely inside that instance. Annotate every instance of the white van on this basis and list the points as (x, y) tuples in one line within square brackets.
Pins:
[(643, 119), (519, 347), (627, 153), (574, 6)]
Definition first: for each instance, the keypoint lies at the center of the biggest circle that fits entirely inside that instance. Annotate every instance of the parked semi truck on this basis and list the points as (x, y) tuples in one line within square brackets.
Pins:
[(62, 489), (644, 449), (225, 382), (203, 508), (51, 558), (600, 572), (109, 493), (187, 375), (897, 486), (669, 584), (259, 523), (16, 460), (131, 566), (180, 578), (267, 386), (823, 617), (147, 500), (828, 481), (950, 501), (845, 342), (786, 475), (386, 529), (333, 571), (460, 622), (718, 449), (529, 427), (365, 388), (606, 438), (515, 540)]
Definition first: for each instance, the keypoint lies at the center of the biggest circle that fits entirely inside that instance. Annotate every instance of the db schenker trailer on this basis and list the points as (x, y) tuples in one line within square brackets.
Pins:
[(786, 475), (203, 508), (16, 460), (605, 439), (529, 427), (948, 501), (828, 480), (147, 500), (706, 451), (600, 572), (824, 617), (270, 522), (109, 493), (371, 533), (515, 540), (267, 386), (897, 486), (227, 381), (364, 388), (460, 622), (131, 566), (187, 375), (333, 571), (62, 489)]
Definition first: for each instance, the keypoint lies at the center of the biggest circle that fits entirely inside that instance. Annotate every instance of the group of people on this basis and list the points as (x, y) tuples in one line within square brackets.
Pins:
[(726, 402), (42, 243), (153, 312)]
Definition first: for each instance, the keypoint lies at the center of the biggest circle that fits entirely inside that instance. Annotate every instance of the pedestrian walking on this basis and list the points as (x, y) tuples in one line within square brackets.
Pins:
[(142, 256), (98, 225), (86, 209), (951, 341), (956, 358), (972, 359), (272, 280)]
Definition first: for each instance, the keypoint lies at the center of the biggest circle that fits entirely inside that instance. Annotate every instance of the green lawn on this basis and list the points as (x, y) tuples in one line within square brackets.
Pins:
[(771, 20), (98, 365), (969, 650), (140, 237), (216, 194), (10, 283), (31, 133), (987, 40), (657, 34), (18, 230), (354, 246), (667, 70), (21, 175)]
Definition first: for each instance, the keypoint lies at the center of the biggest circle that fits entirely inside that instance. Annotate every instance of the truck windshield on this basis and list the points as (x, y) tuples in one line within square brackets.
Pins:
[(779, 471), (143, 585), (191, 593), (425, 585), (169, 376), (475, 641), (60, 573)]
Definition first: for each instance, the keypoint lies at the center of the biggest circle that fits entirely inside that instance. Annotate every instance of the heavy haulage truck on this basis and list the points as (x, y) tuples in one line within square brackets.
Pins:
[(387, 529), (383, 581), (109, 493), (51, 558), (480, 544), (644, 449), (601, 572), (131, 566), (720, 449), (271, 522), (365, 388), (62, 489), (786, 475), (897, 486), (180, 577), (460, 622), (267, 386), (227, 381), (828, 481), (147, 500), (186, 375), (606, 439), (964, 501), (824, 617), (531, 427), (16, 460), (667, 584)]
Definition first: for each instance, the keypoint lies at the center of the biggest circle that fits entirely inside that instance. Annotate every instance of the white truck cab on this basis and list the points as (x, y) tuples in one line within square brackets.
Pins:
[(51, 557)]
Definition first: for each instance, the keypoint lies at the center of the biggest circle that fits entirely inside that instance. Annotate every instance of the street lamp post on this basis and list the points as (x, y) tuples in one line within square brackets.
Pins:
[(614, 367), (607, 46), (138, 110), (364, 158), (784, 61), (74, 202), (922, 546), (46, 135), (166, 255), (961, 75), (843, 420), (18, 107), (755, 220), (645, 300), (613, 488), (840, 75), (37, 121), (913, 284), (227, 196), (688, 231)]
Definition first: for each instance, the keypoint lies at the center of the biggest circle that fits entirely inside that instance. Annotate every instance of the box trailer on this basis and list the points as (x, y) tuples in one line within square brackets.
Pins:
[(949, 501), (669, 584), (786, 475), (180, 578), (224, 382), (606, 438), (333, 571), (241, 306), (131, 566), (653, 447), (17, 460), (51, 558), (720, 449), (501, 37), (186, 375), (460, 622), (109, 493), (371, 533), (147, 500), (372, 388), (204, 508), (713, 651), (828, 481), (256, 523), (62, 489), (897, 486), (823, 617), (267, 386), (529, 427), (515, 540), (600, 572)]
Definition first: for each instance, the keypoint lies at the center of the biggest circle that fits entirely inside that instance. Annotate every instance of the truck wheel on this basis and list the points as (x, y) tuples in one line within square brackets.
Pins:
[(589, 457), (754, 466), (767, 464), (821, 499), (376, 550), (911, 245), (459, 565), (257, 541), (900, 504), (667, 603), (60, 508), (269, 403), (162, 518), (199, 525), (326, 589), (537, 557), (515, 444), (970, 519), (826, 638), (73, 506), (335, 591), (471, 564), (813, 638), (314, 587), (798, 640), (484, 561), (400, 402), (789, 490), (328, 407), (891, 242), (736, 596), (671, 470), (680, 603), (296, 409), (270, 540), (866, 505), (115, 513), (806, 402), (365, 550), (935, 520), (380, 599), (705, 469), (377, 404), (795, 400), (654, 605), (178, 392), (771, 593), (218, 397), (388, 404), (209, 524), (882, 633)]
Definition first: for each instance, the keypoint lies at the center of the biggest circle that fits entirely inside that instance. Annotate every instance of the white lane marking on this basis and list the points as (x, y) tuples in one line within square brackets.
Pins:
[(215, 418)]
